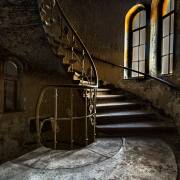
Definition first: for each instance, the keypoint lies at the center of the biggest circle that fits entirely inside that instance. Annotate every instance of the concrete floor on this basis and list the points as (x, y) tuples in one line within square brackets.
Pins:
[(107, 159)]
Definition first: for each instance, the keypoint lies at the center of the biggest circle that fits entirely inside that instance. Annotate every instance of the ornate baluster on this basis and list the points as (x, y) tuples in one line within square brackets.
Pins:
[(55, 117), (91, 74), (83, 70), (52, 5), (72, 60), (86, 119), (72, 120), (94, 111)]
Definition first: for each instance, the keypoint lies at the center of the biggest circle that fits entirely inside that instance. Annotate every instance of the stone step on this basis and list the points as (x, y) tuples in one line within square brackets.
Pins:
[(136, 128), (81, 82), (104, 90), (110, 96), (114, 106), (124, 116)]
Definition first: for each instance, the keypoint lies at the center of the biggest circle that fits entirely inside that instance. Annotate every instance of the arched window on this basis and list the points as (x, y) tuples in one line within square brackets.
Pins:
[(11, 86), (135, 41), (167, 52), (138, 43)]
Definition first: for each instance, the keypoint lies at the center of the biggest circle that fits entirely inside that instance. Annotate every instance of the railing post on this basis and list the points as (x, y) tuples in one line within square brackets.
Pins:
[(82, 73), (94, 100), (55, 117), (91, 75), (72, 123), (86, 119), (72, 57), (38, 128)]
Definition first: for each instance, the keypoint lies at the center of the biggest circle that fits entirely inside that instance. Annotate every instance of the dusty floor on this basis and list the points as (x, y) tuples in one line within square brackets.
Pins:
[(107, 159)]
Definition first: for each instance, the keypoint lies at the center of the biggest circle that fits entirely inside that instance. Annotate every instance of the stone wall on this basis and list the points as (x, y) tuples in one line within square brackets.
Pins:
[(22, 39)]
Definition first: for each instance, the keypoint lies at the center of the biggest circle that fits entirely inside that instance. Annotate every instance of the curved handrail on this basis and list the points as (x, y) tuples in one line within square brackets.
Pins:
[(80, 41), (169, 84)]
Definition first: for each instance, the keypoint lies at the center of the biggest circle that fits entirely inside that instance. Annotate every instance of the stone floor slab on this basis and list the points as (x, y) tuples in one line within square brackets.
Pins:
[(107, 159)]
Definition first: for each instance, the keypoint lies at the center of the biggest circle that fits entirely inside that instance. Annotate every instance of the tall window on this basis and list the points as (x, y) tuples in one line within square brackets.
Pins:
[(11, 72), (167, 53), (138, 42)]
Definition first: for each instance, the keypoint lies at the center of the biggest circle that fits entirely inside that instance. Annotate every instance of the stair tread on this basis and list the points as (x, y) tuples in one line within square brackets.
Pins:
[(110, 95), (132, 125), (104, 89), (125, 113), (116, 104)]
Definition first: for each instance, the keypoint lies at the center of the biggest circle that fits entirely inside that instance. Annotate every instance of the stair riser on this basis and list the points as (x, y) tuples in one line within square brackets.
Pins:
[(117, 108), (117, 120), (110, 100), (103, 92), (109, 92), (134, 132)]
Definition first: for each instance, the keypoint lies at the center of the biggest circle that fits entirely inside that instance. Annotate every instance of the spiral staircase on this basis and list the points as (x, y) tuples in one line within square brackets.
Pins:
[(117, 112)]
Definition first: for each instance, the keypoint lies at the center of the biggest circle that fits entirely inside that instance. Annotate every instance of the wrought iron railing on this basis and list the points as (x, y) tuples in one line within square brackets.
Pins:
[(65, 41), (89, 95)]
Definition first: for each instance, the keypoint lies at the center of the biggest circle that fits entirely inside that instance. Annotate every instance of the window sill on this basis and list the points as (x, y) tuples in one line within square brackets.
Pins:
[(165, 75), (137, 78)]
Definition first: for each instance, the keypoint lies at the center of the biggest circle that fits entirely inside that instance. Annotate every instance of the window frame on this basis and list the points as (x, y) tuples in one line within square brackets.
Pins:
[(139, 44), (160, 39), (17, 88), (130, 39)]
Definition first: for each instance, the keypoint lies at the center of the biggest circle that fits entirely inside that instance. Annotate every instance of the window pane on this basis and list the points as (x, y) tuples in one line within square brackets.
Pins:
[(166, 24), (10, 95), (172, 23), (166, 7), (142, 52), (142, 18), (136, 38), (11, 69), (172, 5), (171, 64), (135, 54), (165, 46), (142, 66), (143, 36), (135, 23), (135, 67), (165, 64), (172, 43)]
